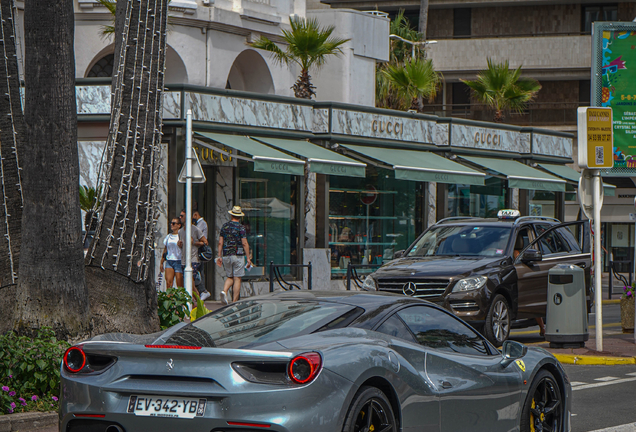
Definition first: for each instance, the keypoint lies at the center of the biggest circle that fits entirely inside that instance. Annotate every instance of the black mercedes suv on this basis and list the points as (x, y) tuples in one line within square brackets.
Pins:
[(489, 272)]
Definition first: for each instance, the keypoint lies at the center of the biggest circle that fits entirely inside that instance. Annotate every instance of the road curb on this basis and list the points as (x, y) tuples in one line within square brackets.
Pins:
[(613, 301), (28, 421), (593, 360)]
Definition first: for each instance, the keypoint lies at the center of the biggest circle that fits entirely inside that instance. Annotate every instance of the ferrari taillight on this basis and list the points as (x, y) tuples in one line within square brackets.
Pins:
[(304, 367), (74, 359)]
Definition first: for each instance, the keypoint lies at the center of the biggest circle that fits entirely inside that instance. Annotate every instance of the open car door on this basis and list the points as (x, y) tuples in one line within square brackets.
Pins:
[(553, 244)]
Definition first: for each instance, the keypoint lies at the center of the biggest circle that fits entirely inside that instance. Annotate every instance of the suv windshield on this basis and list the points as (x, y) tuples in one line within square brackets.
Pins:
[(462, 240)]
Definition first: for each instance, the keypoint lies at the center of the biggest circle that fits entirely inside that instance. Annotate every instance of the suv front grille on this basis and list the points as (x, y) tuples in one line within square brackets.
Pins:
[(424, 288)]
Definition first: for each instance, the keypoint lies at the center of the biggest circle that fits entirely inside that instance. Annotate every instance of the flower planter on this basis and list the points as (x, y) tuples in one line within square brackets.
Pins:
[(627, 315)]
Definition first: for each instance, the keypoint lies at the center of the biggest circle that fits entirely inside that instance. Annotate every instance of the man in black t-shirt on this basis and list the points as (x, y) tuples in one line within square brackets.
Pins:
[(233, 249)]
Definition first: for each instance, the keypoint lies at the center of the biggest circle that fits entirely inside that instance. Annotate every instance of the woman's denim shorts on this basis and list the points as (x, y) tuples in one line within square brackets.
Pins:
[(176, 265)]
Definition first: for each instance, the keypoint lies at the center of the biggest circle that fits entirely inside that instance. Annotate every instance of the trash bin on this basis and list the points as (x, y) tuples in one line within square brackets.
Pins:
[(566, 313)]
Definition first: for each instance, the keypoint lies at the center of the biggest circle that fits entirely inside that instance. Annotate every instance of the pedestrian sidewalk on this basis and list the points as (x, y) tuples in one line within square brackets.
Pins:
[(618, 348)]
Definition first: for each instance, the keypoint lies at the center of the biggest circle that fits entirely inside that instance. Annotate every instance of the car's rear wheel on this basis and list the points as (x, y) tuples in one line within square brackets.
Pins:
[(543, 409), (497, 326), (370, 411)]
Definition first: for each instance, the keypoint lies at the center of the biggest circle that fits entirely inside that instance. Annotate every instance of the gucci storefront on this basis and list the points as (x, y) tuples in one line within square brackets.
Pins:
[(333, 183)]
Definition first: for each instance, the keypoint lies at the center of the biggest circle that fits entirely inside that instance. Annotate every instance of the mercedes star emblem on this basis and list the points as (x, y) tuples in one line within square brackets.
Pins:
[(409, 288), (169, 364)]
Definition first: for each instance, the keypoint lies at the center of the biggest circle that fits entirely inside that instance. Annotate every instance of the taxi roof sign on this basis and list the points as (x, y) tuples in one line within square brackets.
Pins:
[(508, 214)]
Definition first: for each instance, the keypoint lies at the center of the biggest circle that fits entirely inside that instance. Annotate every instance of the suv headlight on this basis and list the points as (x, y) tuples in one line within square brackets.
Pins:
[(369, 284), (470, 283)]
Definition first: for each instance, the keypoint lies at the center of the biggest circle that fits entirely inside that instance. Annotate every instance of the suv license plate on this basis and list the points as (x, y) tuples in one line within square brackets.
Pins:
[(166, 406)]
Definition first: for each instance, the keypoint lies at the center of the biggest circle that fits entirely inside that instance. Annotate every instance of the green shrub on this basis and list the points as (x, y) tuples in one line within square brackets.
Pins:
[(174, 306), (30, 371)]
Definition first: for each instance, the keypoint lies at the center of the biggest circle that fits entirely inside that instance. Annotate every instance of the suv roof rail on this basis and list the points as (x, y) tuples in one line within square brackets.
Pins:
[(522, 218), (455, 218)]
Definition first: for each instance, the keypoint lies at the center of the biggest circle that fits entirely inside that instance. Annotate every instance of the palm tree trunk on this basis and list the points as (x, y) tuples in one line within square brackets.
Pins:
[(423, 24), (11, 145), (120, 262), (303, 89), (51, 285)]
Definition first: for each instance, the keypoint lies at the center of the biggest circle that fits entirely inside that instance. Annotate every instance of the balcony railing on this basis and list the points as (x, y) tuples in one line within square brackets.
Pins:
[(536, 114)]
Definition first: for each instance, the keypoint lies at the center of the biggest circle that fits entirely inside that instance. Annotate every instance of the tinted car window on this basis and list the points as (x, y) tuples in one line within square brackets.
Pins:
[(552, 242), (257, 321), (436, 329), (396, 328), (462, 240), (570, 239)]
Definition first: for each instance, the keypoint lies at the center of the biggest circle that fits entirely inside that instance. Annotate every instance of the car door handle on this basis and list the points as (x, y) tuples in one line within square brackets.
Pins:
[(445, 384)]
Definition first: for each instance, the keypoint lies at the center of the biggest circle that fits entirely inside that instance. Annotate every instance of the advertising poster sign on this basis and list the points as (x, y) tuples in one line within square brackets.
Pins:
[(614, 86)]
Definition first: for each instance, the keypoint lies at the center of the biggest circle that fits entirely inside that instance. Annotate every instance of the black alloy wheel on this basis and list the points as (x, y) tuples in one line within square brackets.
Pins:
[(543, 409), (497, 326), (370, 411)]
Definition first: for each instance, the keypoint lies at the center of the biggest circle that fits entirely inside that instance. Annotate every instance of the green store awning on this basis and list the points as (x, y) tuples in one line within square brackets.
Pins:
[(321, 160), (421, 165), (519, 175), (265, 158), (573, 176)]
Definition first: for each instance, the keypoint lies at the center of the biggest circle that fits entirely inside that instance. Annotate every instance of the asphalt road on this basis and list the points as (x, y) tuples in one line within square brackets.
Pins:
[(602, 397)]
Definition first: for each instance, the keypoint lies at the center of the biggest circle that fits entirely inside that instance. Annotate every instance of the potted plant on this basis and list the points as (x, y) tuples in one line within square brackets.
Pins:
[(627, 308)]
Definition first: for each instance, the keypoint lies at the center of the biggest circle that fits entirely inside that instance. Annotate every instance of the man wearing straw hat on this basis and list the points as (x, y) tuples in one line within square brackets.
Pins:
[(232, 252)]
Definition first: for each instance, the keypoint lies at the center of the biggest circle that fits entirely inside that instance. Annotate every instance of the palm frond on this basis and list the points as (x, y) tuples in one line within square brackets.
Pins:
[(280, 56), (503, 89), (411, 81), (307, 44), (111, 5)]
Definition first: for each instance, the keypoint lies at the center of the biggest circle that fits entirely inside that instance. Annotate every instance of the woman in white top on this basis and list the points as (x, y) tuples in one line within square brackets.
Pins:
[(172, 255)]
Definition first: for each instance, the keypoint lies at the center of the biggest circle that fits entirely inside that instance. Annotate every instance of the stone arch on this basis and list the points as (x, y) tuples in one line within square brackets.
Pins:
[(102, 66), (102, 63), (250, 72)]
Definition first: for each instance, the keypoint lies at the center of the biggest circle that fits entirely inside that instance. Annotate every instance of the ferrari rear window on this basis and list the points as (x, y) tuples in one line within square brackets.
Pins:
[(254, 322)]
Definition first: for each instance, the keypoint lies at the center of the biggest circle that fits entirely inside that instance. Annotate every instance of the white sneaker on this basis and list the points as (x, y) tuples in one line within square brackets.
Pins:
[(224, 297), (205, 295)]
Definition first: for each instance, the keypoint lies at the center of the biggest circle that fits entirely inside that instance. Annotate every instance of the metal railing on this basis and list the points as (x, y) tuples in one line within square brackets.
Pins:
[(275, 274), (537, 113), (613, 273), (353, 276)]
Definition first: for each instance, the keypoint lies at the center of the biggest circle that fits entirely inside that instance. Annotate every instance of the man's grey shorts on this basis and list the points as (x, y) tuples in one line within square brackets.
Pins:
[(234, 265)]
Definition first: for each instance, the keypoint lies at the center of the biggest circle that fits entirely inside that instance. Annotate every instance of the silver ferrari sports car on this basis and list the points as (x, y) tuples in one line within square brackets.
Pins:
[(313, 361)]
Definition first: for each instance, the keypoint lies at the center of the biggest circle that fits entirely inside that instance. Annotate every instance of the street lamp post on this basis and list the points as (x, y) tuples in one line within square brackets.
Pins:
[(413, 43), (187, 273)]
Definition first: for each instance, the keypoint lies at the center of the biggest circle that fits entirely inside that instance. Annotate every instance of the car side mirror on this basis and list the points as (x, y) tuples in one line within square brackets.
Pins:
[(531, 255), (512, 351), (398, 254)]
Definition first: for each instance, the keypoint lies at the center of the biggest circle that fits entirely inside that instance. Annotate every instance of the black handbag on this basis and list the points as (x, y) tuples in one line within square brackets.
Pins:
[(205, 253)]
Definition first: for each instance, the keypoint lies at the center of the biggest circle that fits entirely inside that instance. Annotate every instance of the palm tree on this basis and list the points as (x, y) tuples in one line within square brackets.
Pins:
[(89, 201), (51, 285), (12, 134), (406, 79), (423, 17), (111, 5), (120, 259), (308, 45), (412, 82), (503, 89)]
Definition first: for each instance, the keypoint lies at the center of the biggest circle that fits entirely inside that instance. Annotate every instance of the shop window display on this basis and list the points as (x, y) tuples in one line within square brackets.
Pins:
[(270, 204), (478, 201), (371, 218), (542, 203)]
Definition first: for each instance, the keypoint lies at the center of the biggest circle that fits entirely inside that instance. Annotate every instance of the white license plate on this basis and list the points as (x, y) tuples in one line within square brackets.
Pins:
[(166, 406)]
